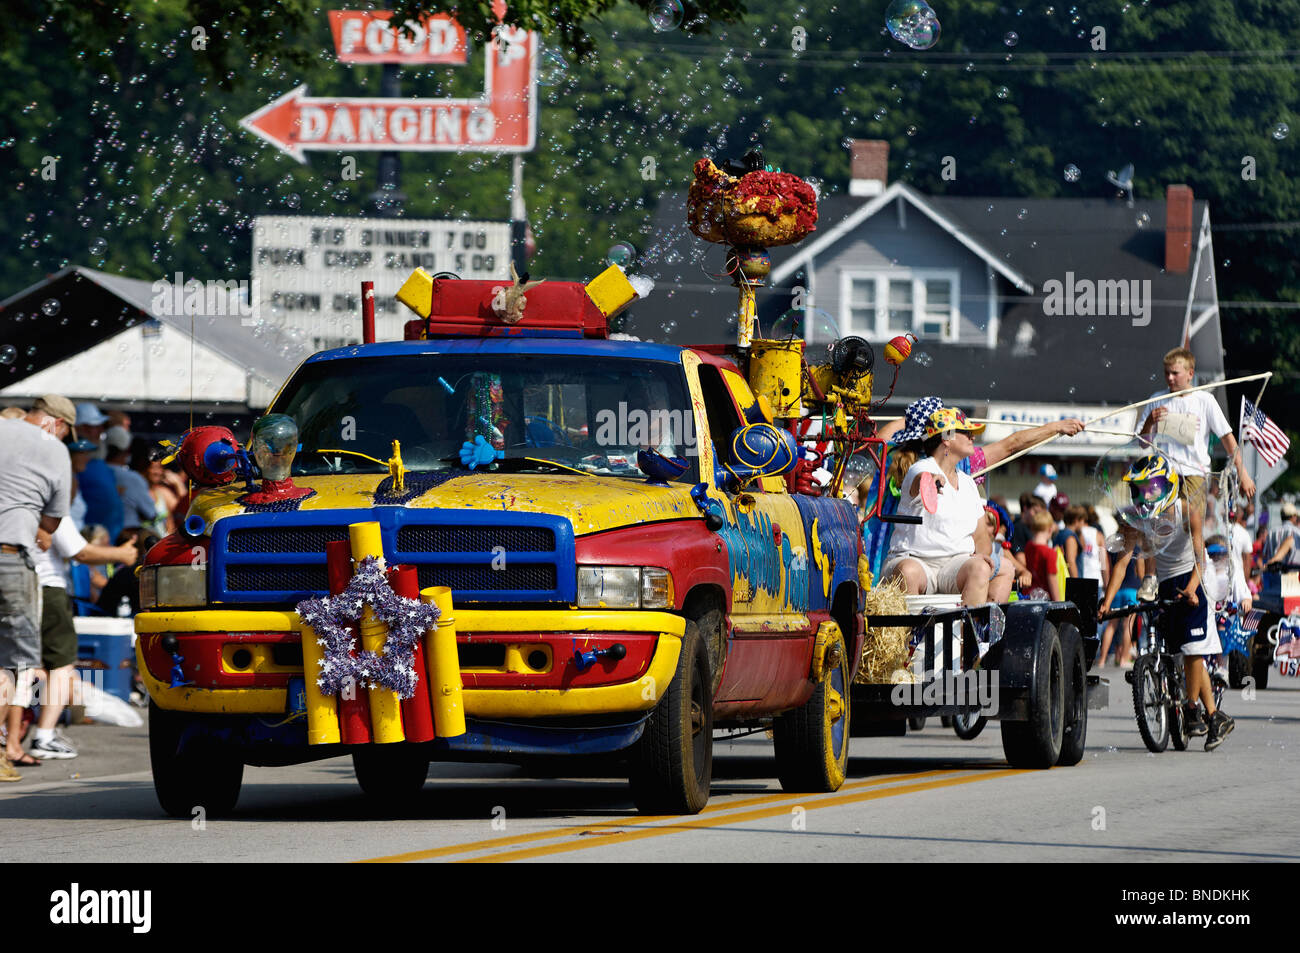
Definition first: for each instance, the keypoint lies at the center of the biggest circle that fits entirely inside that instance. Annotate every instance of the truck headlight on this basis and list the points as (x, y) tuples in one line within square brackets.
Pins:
[(624, 587), (180, 586)]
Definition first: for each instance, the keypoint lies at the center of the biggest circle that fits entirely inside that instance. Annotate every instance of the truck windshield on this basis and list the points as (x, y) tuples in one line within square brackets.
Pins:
[(585, 413)]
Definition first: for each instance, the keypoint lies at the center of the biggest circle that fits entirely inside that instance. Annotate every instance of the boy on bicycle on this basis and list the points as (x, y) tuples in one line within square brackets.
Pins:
[(1153, 488)]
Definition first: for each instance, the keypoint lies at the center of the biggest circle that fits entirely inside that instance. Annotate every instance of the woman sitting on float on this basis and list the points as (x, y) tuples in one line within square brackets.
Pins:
[(906, 436)]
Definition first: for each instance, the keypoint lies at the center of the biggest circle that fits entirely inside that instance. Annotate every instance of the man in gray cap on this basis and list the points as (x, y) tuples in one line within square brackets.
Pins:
[(35, 492)]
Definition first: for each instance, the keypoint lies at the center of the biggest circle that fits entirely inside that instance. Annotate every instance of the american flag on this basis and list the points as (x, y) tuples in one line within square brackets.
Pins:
[(1267, 437)]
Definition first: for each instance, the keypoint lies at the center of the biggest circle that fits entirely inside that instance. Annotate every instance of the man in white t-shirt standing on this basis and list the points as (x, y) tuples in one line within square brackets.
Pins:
[(1046, 489), (1180, 426), (58, 634)]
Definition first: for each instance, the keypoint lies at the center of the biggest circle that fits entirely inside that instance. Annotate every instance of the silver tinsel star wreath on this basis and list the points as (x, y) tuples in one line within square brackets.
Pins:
[(331, 617)]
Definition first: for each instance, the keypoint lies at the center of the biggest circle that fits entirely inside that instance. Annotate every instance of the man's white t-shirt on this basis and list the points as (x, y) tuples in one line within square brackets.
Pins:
[(950, 530), (1190, 459), (51, 564)]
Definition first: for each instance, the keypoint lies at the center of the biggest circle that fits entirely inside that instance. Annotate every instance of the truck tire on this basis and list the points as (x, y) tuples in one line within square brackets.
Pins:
[(812, 742), (1148, 705), (389, 774), (671, 766), (916, 723), (1075, 728), (198, 777), (714, 636), (1036, 742)]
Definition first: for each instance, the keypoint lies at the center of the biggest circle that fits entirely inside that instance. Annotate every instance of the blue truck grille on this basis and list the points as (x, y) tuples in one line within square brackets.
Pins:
[(481, 556)]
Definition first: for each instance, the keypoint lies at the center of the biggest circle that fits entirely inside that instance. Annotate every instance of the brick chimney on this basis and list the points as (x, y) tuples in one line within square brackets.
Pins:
[(870, 170), (1178, 229)]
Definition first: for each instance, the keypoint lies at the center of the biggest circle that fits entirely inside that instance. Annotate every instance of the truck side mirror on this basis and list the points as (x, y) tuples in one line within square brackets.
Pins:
[(759, 450)]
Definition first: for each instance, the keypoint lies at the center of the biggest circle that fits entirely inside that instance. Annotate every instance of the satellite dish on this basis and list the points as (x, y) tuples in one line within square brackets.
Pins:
[(1123, 181)]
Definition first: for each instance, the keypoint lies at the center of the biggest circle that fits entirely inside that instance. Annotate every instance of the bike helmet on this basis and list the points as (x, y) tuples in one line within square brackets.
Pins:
[(1152, 485)]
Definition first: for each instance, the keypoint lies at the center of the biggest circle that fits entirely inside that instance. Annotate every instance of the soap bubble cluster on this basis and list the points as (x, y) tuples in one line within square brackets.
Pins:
[(912, 23)]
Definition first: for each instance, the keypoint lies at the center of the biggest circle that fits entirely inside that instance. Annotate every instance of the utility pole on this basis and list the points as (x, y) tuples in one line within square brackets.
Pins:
[(388, 200)]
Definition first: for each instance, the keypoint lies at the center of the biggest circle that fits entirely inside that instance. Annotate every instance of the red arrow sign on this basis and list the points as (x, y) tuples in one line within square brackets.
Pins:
[(503, 119)]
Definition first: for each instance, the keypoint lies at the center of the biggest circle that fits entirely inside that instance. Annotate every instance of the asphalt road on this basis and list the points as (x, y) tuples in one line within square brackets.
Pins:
[(925, 797)]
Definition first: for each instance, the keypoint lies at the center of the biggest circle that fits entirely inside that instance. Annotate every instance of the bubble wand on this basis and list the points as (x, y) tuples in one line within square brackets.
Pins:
[(1134, 406)]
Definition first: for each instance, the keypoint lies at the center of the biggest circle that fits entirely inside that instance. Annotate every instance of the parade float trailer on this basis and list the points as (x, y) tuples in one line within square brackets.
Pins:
[(510, 536)]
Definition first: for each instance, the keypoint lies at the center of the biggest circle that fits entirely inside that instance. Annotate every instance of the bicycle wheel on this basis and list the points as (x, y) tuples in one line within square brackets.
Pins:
[(1149, 703), (1175, 691)]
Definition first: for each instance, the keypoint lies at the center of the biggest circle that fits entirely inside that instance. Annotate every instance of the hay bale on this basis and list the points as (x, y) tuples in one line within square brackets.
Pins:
[(885, 649)]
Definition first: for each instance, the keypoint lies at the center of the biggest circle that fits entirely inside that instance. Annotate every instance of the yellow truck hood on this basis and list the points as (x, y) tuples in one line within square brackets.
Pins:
[(592, 503)]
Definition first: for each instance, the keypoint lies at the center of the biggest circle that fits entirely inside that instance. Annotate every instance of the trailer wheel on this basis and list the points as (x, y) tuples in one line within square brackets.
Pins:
[(671, 766), (1036, 742), (967, 725), (1075, 728), (389, 774), (812, 742), (198, 776)]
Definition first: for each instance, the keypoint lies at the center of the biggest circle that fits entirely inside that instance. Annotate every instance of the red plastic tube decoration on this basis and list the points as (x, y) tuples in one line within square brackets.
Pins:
[(354, 712), (417, 711)]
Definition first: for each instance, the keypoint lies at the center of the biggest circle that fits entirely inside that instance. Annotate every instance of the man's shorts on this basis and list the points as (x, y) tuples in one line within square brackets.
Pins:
[(20, 613), (58, 635), (1187, 627), (940, 571), (1192, 489)]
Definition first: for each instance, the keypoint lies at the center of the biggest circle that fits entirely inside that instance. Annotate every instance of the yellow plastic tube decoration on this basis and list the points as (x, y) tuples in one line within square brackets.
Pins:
[(443, 662), (322, 709), (385, 705)]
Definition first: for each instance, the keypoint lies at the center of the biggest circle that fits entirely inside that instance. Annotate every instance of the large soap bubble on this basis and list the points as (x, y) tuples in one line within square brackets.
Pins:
[(809, 324), (912, 22)]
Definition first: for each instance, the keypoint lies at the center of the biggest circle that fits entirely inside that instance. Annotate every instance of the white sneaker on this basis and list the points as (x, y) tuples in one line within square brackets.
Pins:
[(1148, 590), (54, 749)]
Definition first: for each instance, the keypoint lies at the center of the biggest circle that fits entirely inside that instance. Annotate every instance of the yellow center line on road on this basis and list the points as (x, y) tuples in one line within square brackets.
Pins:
[(637, 821), (622, 837)]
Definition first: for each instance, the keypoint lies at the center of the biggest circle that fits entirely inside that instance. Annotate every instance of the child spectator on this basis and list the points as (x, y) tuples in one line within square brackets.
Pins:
[(1041, 559)]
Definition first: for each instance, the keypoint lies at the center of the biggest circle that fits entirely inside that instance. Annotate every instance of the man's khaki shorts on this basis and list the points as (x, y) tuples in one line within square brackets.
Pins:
[(940, 571)]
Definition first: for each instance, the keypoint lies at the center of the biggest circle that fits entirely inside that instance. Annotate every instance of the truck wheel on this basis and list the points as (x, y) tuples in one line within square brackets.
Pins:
[(1149, 705), (1239, 666), (390, 773), (812, 742), (1036, 742), (714, 637), (672, 762), (199, 776), (916, 723), (1076, 697)]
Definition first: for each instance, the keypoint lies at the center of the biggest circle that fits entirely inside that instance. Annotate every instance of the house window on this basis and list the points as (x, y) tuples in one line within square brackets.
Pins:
[(882, 305)]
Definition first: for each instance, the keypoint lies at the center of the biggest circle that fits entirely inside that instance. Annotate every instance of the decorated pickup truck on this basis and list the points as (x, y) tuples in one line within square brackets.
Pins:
[(507, 536)]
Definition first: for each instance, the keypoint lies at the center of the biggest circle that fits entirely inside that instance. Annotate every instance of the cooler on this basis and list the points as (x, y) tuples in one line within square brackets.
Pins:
[(106, 652)]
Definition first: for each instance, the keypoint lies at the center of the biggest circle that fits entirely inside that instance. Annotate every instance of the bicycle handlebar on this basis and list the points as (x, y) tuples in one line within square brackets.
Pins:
[(1142, 607)]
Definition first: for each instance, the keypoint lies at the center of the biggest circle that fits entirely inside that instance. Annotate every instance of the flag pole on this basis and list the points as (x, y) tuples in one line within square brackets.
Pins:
[(1134, 406)]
